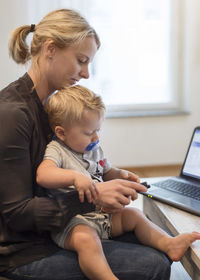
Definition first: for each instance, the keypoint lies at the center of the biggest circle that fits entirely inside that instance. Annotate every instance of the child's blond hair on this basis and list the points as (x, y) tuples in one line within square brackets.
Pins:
[(67, 106)]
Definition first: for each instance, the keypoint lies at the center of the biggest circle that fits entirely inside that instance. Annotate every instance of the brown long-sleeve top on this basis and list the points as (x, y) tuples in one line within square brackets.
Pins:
[(26, 214)]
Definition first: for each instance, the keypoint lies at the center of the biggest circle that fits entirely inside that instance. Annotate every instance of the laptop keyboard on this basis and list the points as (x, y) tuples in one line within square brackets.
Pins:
[(180, 187)]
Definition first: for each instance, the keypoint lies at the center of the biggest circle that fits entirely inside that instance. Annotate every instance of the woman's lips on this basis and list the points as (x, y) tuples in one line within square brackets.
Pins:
[(74, 81)]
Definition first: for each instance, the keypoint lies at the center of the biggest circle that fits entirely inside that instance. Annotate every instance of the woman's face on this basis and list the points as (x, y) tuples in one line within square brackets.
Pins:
[(65, 67)]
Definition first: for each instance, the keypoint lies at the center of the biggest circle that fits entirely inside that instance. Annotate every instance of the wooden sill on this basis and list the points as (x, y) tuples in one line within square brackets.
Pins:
[(155, 170)]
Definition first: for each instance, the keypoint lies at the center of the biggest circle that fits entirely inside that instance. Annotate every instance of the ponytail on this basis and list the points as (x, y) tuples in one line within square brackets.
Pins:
[(18, 48)]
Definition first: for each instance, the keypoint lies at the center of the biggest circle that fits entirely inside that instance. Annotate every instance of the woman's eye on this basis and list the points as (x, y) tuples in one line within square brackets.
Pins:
[(80, 61)]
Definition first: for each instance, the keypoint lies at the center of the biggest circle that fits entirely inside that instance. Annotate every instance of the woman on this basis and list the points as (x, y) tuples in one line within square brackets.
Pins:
[(62, 47)]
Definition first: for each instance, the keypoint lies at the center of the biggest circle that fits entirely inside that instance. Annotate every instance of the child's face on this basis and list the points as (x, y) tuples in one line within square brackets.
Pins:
[(80, 135)]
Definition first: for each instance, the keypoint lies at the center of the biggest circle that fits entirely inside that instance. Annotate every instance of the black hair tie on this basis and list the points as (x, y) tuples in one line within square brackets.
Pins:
[(32, 28)]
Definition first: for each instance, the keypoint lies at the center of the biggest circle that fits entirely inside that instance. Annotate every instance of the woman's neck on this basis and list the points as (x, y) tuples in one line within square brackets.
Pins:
[(41, 85)]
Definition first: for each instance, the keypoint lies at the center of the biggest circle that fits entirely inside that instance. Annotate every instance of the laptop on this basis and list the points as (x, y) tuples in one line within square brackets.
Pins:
[(182, 191)]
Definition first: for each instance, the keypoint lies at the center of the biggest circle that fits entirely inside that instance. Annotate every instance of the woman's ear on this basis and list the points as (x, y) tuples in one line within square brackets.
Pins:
[(50, 48), (60, 132)]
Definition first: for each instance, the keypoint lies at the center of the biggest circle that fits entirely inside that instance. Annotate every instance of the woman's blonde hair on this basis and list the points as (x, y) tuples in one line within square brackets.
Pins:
[(67, 106), (64, 27)]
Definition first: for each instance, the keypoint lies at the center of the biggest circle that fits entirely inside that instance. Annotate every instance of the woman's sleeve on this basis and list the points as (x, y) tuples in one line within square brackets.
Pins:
[(21, 210)]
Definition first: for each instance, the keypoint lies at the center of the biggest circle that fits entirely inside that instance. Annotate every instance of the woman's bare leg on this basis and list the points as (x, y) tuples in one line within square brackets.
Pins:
[(132, 219), (85, 241)]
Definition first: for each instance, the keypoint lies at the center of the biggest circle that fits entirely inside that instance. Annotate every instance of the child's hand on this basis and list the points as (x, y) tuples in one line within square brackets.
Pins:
[(127, 175), (85, 186)]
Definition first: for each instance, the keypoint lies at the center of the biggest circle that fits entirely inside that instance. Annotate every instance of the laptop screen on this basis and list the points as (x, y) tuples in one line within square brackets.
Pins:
[(191, 166)]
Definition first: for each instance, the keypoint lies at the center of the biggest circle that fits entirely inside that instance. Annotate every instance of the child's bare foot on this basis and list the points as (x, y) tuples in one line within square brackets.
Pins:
[(178, 245)]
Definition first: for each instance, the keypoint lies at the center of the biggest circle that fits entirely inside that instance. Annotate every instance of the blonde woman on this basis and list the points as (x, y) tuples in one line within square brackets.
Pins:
[(62, 47)]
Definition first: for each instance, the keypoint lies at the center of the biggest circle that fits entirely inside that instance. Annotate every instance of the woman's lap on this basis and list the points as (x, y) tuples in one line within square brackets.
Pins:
[(127, 260)]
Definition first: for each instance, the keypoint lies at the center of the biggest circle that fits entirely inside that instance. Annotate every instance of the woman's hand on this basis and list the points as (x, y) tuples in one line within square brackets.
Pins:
[(115, 194)]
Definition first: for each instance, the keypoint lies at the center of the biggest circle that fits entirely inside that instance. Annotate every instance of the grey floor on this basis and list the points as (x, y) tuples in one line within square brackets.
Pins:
[(178, 272)]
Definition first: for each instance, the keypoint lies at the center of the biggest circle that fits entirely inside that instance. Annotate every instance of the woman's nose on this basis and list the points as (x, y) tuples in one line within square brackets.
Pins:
[(85, 72)]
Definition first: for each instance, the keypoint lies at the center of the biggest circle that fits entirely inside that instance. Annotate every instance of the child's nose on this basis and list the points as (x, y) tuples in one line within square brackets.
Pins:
[(95, 137)]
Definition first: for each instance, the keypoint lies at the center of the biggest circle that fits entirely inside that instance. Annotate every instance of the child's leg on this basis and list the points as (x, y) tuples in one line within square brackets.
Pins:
[(132, 219), (85, 241)]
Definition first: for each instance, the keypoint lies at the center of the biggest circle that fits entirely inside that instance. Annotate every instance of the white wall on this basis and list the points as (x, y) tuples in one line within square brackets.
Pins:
[(161, 140), (129, 141)]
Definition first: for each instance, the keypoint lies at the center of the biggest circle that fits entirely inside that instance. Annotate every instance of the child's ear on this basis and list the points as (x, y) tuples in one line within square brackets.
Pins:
[(60, 132)]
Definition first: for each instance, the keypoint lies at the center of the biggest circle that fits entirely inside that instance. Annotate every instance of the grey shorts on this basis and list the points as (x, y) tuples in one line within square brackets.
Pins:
[(97, 220)]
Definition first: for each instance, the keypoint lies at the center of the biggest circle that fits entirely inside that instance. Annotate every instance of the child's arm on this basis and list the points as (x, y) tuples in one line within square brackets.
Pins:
[(116, 173), (52, 177)]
